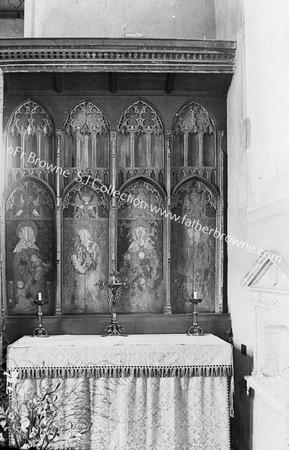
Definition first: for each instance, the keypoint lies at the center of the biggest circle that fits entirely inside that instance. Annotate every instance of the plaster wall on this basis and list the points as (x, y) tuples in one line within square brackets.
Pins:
[(257, 179), (228, 15), (238, 259), (266, 419), (11, 28), (267, 35), (258, 206), (175, 19)]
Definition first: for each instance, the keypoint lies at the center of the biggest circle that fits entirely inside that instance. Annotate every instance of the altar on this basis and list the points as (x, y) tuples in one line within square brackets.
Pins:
[(145, 392)]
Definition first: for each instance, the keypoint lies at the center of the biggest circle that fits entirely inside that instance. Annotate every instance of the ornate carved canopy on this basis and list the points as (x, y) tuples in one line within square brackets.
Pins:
[(112, 55)]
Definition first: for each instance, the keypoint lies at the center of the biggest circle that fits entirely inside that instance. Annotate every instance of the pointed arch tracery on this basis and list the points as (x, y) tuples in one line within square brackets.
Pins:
[(194, 249), (140, 246), (194, 148), (30, 142), (30, 246), (86, 132), (140, 149), (85, 247), (162, 259)]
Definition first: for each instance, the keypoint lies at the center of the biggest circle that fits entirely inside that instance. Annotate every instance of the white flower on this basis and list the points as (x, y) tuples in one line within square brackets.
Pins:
[(2, 423), (24, 423), (12, 376), (141, 255)]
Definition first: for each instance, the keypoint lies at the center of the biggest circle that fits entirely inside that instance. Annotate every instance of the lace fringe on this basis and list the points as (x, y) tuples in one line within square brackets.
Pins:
[(124, 371)]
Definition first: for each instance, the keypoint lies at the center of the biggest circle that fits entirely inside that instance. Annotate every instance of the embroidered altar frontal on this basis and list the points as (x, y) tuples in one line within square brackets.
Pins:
[(150, 392)]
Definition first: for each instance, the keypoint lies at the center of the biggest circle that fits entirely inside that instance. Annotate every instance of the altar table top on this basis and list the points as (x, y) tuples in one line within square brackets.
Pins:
[(145, 354)]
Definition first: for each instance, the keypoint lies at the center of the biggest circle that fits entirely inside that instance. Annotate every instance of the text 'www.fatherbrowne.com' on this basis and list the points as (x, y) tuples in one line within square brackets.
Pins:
[(183, 220)]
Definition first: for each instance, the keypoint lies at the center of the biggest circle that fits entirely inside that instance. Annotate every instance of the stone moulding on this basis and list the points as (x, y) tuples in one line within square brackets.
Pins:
[(117, 54)]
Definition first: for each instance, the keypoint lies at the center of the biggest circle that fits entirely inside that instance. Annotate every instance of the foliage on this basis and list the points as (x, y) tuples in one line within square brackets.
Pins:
[(34, 422)]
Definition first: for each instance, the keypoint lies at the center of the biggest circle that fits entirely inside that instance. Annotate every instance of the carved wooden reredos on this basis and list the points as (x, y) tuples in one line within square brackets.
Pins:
[(64, 232)]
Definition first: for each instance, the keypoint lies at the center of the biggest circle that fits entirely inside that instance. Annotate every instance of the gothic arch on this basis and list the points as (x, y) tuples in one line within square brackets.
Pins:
[(194, 249), (203, 180), (86, 132), (140, 245), (198, 107), (194, 131), (30, 109), (20, 181), (140, 133), (29, 135), (30, 246), (85, 247), (141, 122), (145, 179)]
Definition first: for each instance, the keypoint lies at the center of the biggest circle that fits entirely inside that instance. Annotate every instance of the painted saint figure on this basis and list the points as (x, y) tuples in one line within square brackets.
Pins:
[(140, 266), (193, 251), (85, 204), (29, 205), (85, 269), (29, 269)]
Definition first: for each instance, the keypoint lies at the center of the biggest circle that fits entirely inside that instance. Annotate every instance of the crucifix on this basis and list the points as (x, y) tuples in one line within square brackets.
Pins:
[(115, 285)]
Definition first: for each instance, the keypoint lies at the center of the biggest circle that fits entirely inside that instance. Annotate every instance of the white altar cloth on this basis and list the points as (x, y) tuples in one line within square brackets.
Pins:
[(145, 392), (71, 355)]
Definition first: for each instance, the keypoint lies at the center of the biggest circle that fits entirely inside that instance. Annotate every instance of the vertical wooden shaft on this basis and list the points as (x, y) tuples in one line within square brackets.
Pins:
[(220, 226), (167, 226), (2, 205), (78, 148), (201, 149), (94, 149), (58, 303), (131, 147), (148, 150), (23, 148), (186, 149), (59, 162), (84, 151), (113, 209), (41, 155)]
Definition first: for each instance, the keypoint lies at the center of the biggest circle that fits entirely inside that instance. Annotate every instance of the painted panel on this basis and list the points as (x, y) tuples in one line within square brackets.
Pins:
[(193, 251), (30, 248), (85, 249), (140, 248)]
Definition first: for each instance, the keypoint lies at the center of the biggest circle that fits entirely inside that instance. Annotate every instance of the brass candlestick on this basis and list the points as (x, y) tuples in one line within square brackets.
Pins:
[(40, 331), (195, 330), (114, 285)]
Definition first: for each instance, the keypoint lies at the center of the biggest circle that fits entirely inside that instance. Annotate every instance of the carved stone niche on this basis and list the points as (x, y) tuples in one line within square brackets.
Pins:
[(268, 281)]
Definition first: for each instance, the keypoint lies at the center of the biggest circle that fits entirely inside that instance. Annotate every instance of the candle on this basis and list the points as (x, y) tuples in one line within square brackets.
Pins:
[(39, 296), (195, 295)]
